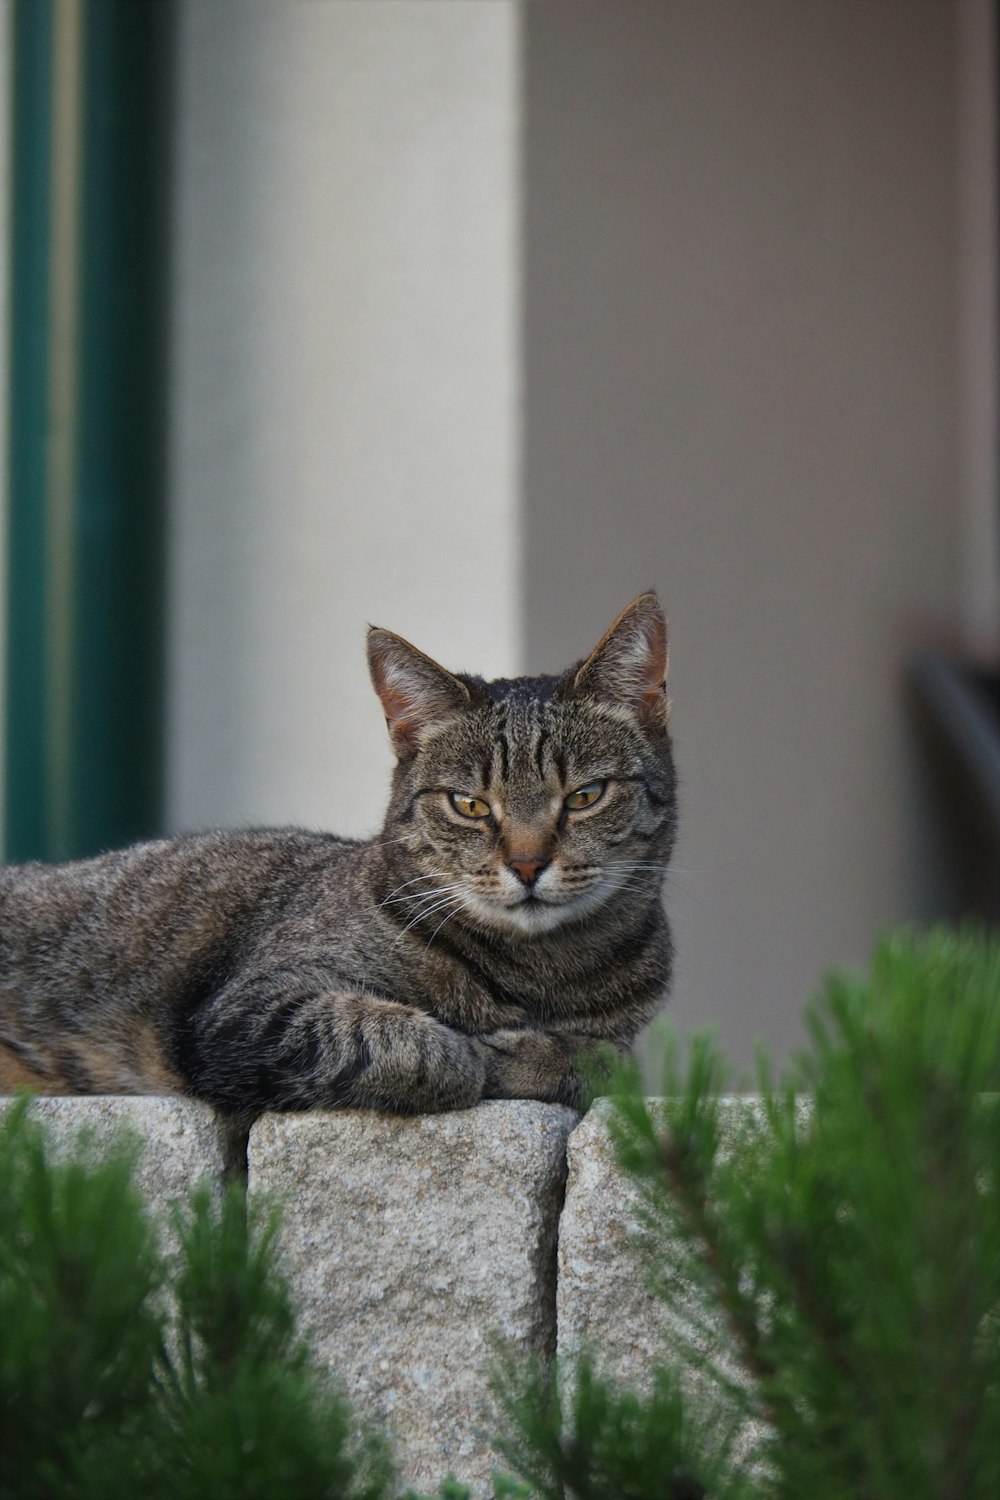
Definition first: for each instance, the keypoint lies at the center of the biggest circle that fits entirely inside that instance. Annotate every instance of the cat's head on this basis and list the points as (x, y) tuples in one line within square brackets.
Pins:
[(528, 803)]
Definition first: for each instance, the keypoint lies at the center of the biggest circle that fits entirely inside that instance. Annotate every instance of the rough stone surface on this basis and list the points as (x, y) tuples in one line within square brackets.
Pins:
[(603, 1301), (604, 1304), (181, 1143), (412, 1245)]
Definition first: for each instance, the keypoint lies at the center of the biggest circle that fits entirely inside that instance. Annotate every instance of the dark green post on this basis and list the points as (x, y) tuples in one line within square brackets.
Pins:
[(85, 551)]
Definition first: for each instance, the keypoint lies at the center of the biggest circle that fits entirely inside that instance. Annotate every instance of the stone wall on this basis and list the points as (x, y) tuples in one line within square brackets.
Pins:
[(414, 1245)]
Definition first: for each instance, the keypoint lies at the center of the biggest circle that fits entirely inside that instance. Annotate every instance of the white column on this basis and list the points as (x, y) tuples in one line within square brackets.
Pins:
[(345, 368)]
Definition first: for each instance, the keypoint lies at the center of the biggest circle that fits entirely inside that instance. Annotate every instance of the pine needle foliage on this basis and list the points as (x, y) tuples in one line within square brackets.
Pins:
[(78, 1268), (594, 1439), (125, 1374), (841, 1241)]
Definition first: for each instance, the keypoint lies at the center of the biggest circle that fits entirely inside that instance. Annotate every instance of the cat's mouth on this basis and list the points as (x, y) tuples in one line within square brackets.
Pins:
[(532, 902), (532, 912)]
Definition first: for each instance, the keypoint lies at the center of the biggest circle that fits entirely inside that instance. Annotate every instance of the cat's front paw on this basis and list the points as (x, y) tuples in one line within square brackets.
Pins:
[(530, 1065)]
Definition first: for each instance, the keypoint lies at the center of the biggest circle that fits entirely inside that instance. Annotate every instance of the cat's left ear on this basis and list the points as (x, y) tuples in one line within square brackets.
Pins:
[(629, 663), (414, 691)]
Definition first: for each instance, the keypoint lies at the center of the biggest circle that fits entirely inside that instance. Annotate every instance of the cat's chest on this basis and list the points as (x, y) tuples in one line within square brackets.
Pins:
[(474, 989), (458, 989), (470, 985)]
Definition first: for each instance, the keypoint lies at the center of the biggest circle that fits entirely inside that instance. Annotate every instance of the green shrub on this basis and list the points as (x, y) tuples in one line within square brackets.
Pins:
[(111, 1387), (846, 1254)]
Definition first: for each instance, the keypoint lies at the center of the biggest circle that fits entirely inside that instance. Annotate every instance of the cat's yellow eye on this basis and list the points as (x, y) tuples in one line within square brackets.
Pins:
[(469, 807), (585, 796)]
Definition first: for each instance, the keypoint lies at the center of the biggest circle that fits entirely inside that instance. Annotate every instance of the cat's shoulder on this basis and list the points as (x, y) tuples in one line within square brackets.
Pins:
[(275, 847), (205, 853)]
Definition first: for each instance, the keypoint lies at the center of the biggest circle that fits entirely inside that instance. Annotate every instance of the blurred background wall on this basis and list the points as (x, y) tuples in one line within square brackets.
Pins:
[(741, 241), (490, 314)]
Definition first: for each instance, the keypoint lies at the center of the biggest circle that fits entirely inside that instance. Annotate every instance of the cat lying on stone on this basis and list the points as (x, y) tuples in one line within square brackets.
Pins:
[(505, 922)]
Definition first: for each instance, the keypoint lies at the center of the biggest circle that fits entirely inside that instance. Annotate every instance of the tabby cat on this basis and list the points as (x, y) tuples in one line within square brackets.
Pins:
[(506, 921)]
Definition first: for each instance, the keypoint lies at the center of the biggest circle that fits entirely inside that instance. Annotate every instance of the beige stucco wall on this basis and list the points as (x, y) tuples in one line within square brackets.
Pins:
[(740, 386), (345, 382)]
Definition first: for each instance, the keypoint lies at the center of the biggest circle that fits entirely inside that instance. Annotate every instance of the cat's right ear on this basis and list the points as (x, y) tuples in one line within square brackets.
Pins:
[(415, 692)]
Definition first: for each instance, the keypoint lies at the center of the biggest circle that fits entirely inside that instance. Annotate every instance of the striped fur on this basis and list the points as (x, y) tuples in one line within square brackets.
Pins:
[(449, 959)]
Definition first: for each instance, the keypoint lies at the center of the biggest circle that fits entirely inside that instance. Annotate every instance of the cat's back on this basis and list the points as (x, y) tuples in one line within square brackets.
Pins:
[(95, 954), (139, 911)]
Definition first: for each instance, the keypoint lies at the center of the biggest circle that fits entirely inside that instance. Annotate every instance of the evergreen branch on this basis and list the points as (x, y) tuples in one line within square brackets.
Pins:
[(689, 1193)]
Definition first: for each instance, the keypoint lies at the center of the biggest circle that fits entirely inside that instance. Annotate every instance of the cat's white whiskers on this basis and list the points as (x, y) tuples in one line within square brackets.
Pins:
[(427, 912), (435, 875), (427, 899), (456, 908), (430, 905), (420, 896)]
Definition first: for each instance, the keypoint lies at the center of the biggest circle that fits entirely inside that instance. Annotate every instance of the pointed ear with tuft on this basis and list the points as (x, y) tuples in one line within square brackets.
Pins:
[(629, 663), (415, 692)]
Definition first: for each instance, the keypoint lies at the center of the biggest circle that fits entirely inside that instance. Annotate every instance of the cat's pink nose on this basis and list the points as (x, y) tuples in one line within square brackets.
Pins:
[(527, 870)]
